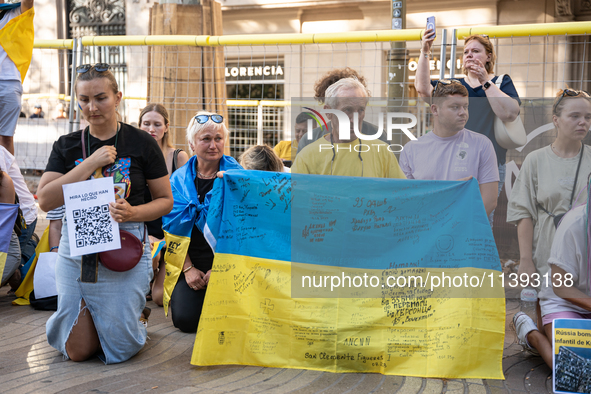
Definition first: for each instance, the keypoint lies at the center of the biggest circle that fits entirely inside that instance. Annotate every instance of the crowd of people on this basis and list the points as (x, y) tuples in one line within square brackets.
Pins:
[(101, 311)]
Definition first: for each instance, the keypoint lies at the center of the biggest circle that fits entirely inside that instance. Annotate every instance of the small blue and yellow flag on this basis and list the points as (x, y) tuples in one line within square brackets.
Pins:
[(26, 287), (17, 38), (8, 214), (344, 274)]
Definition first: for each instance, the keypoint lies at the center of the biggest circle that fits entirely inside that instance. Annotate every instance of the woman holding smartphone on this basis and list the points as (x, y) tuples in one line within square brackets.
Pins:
[(478, 67)]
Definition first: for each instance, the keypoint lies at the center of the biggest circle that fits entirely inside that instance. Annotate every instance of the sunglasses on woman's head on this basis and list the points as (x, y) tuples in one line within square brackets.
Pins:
[(99, 67), (444, 82), (204, 118), (570, 93)]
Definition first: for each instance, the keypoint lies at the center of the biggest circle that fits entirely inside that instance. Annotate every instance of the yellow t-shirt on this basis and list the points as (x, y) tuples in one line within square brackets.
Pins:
[(286, 150), (377, 161)]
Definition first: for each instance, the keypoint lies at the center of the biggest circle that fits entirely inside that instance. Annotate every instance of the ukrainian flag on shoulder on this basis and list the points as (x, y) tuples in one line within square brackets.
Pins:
[(346, 274)]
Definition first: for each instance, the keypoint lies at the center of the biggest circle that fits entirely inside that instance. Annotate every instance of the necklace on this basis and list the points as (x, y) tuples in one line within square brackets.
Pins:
[(211, 176), (556, 151)]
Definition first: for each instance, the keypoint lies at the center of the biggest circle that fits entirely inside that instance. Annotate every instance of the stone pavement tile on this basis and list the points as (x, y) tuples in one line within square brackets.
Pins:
[(322, 382), (274, 383), (454, 387), (517, 369), (536, 378), (494, 383), (185, 390), (74, 374), (433, 386), (497, 390), (390, 384), (36, 318), (30, 337), (237, 375), (477, 381), (199, 376), (411, 385), (302, 379), (354, 383), (259, 376), (474, 388)]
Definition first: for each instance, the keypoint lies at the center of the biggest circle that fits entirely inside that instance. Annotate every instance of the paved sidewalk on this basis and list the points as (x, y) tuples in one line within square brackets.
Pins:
[(29, 365)]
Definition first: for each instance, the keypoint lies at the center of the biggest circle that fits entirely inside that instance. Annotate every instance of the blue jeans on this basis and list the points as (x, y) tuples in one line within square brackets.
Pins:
[(115, 301), (27, 247), (502, 173)]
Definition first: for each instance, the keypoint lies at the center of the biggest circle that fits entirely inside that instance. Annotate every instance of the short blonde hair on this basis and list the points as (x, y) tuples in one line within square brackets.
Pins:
[(262, 158), (194, 127)]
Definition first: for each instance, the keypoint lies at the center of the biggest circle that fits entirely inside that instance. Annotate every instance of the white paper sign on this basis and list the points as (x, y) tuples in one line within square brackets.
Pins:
[(91, 229), (44, 279)]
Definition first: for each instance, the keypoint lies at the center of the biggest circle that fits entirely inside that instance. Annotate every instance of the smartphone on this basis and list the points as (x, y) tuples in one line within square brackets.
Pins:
[(431, 24), (89, 268)]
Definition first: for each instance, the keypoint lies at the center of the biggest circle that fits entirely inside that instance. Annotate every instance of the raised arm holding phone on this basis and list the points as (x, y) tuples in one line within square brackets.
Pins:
[(487, 100)]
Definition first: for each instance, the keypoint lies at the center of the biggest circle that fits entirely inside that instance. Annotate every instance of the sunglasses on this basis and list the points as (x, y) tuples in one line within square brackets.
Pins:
[(570, 93), (99, 67), (201, 119), (444, 82)]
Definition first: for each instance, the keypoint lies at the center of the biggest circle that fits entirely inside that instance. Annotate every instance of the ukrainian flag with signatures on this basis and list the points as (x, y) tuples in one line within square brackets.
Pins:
[(8, 214), (343, 274)]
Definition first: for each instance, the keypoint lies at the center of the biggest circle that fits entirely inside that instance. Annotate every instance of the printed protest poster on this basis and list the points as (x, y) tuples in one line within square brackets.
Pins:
[(571, 345), (387, 276), (91, 229)]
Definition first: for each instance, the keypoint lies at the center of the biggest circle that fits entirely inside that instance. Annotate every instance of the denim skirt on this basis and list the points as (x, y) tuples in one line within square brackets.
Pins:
[(115, 301)]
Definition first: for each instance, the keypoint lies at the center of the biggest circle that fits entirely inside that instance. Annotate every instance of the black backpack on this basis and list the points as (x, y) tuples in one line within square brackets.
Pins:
[(43, 304)]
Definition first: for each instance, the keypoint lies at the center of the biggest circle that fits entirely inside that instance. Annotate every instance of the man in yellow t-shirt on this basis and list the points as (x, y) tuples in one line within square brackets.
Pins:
[(287, 150), (337, 155)]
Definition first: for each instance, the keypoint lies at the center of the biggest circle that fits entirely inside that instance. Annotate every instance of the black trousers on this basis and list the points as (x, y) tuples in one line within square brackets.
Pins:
[(186, 305)]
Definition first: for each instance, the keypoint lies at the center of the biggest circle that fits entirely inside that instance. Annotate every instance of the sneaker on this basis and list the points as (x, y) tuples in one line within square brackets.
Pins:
[(524, 325), (145, 315)]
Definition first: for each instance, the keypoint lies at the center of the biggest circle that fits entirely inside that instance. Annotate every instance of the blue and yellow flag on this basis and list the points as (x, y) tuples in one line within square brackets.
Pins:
[(186, 213), (17, 38), (344, 274), (8, 214), (26, 287)]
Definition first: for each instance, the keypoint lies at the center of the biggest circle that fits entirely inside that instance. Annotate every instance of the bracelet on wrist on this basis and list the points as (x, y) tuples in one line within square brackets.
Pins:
[(52, 248), (187, 269), (426, 54)]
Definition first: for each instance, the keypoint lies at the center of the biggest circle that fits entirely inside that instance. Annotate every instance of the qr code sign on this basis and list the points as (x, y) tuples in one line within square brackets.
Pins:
[(93, 226)]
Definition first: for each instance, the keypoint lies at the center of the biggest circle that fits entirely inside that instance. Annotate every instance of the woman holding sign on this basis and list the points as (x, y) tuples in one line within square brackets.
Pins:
[(102, 315), (189, 257)]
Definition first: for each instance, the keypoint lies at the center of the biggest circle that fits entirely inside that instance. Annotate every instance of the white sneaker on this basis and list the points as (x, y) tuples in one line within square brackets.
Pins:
[(524, 325)]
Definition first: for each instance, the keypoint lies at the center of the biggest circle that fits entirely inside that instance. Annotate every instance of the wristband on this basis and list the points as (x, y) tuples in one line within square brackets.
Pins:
[(53, 247), (187, 269), (426, 54)]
